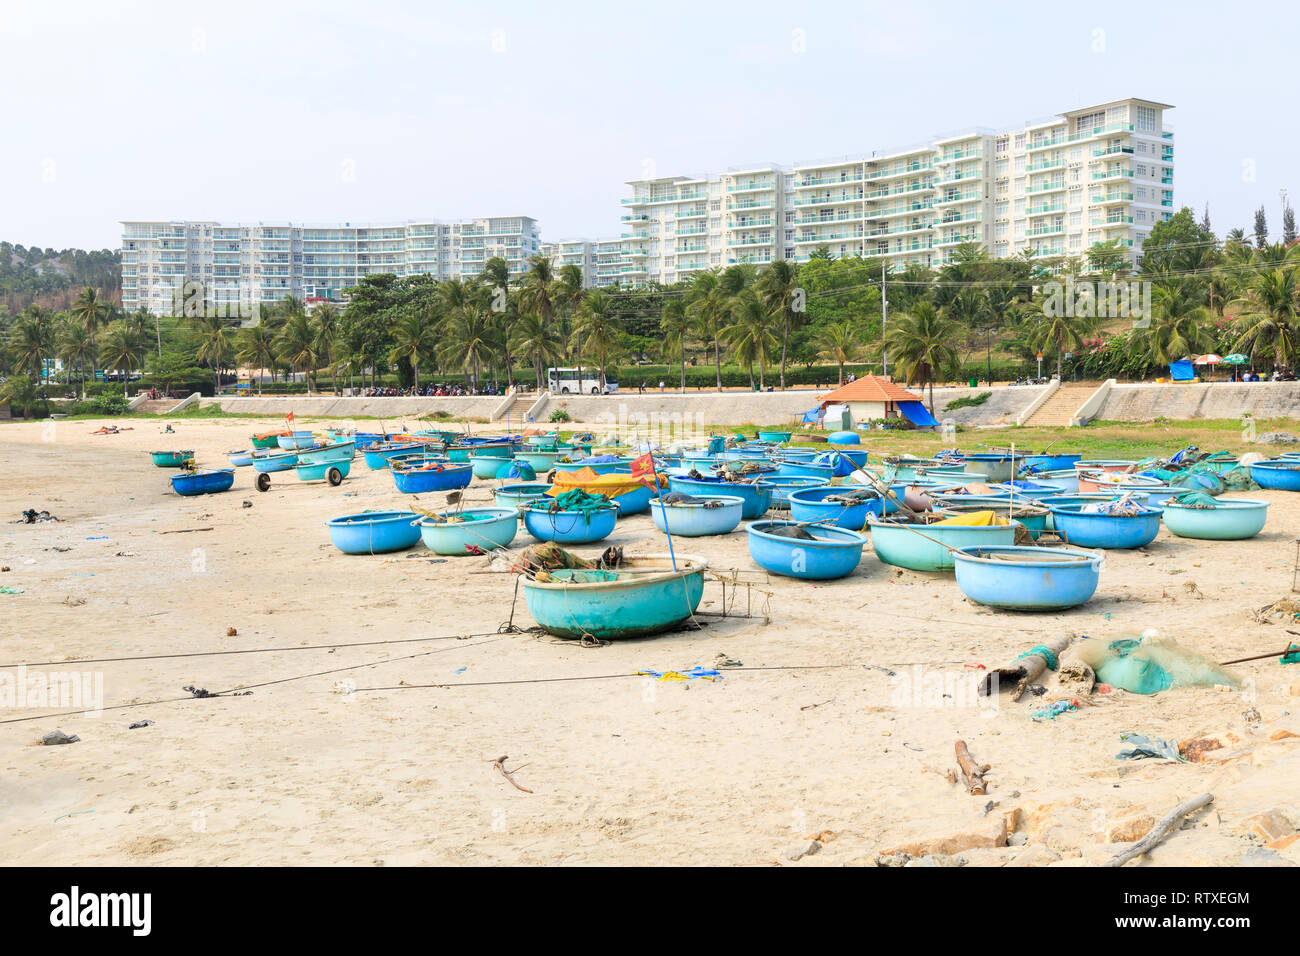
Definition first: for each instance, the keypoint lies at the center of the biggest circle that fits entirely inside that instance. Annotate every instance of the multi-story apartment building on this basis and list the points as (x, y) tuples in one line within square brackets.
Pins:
[(262, 263), (1052, 187)]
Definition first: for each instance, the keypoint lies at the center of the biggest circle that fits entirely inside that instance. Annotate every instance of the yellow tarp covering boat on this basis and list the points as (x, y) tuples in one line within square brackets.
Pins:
[(609, 485), (976, 519)]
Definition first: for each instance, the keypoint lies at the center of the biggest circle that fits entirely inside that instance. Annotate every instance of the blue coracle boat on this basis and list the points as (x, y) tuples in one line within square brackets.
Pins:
[(374, 532), (757, 496), (811, 504), (1102, 530), (717, 514), (833, 552), (1231, 519), (568, 527), (203, 482), (644, 596), (1025, 578), (483, 528), (418, 481), (1279, 475)]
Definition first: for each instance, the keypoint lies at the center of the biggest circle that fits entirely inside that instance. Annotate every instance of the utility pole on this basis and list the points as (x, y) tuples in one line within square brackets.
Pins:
[(884, 320)]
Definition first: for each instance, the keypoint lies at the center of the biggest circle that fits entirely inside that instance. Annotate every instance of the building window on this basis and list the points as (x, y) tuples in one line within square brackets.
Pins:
[(1146, 119)]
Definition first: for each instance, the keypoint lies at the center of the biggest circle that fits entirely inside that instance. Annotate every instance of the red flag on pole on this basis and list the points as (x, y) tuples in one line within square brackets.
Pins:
[(644, 465), (289, 418)]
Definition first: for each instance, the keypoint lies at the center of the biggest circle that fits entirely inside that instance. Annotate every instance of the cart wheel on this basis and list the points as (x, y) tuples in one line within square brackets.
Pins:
[(334, 476), (263, 482)]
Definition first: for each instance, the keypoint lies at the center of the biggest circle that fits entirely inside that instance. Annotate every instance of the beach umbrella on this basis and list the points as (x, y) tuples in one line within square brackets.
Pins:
[(1208, 359)]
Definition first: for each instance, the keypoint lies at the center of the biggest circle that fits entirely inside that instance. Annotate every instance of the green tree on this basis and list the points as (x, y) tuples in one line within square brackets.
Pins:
[(413, 339), (1267, 316), (76, 347), (839, 343), (1179, 325), (676, 327), (706, 303), (257, 350), (595, 324), (779, 286), (1051, 330), (296, 344), (750, 332), (921, 343), (530, 337), (120, 351)]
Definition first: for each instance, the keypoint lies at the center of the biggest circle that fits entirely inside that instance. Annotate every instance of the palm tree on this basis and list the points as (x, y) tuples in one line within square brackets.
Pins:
[(215, 340), (120, 350), (706, 303), (528, 336), (297, 345), (470, 339), (1268, 315), (257, 350), (91, 311), (838, 342), (676, 327), (779, 283), (536, 289), (921, 343), (750, 332), (595, 323), (326, 318), (32, 343), (567, 297), (22, 392), (77, 347), (413, 338), (1179, 323), (1051, 327)]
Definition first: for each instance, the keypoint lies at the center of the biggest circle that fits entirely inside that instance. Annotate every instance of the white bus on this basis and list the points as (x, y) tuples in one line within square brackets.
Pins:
[(564, 381)]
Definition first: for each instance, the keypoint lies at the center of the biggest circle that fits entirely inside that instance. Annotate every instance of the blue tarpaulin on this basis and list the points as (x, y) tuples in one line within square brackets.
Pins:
[(917, 415), (812, 417), (1181, 371)]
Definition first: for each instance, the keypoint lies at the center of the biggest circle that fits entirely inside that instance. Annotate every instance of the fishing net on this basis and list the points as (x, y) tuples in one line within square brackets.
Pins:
[(1195, 499)]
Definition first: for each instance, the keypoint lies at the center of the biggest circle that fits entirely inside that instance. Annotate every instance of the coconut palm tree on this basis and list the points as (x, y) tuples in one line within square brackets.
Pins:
[(296, 344), (91, 311), (536, 290), (413, 339), (470, 340), (76, 347), (1179, 325), (839, 342), (567, 296), (22, 392), (529, 337), (779, 284), (706, 304), (119, 349), (1050, 327), (257, 350), (33, 341), (1268, 315), (596, 325), (676, 327), (920, 341), (325, 319), (751, 332)]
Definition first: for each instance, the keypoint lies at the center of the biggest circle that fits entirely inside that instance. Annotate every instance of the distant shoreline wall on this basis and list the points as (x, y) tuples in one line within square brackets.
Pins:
[(1137, 403)]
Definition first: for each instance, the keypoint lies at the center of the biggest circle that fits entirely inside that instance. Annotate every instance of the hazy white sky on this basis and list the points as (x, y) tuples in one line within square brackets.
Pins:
[(372, 111)]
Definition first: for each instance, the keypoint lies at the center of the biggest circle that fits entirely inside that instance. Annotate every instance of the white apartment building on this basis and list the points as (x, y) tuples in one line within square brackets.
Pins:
[(261, 263), (1053, 187)]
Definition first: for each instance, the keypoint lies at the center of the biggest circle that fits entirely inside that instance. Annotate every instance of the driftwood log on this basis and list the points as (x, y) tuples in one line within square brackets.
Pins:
[(1023, 671), (1161, 829), (972, 772)]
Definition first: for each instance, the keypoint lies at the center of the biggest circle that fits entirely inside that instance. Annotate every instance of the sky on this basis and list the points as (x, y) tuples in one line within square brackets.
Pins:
[(385, 111)]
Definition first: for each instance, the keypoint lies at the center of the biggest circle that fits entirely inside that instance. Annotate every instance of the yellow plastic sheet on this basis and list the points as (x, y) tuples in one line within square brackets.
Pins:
[(976, 519), (609, 485)]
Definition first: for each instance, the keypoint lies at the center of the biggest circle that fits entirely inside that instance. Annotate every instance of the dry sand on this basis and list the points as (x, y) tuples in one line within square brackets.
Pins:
[(625, 770)]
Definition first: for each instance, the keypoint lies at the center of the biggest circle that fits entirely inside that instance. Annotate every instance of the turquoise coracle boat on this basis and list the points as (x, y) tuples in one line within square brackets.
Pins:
[(904, 546), (1027, 579), (643, 596), (1228, 519), (484, 529)]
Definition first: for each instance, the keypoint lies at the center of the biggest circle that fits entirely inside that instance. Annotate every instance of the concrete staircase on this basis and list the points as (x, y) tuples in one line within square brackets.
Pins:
[(1060, 408), (156, 406)]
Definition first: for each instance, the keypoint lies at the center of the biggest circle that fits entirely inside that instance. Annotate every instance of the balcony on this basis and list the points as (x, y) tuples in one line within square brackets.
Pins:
[(750, 186), (696, 214), (826, 181), (1053, 230), (741, 243), (958, 177), (1112, 198), (1100, 131), (1045, 209), (751, 204), (819, 220), (1111, 150), (1044, 144), (899, 230), (827, 201), (750, 224), (691, 231), (828, 237), (908, 210), (1048, 164), (955, 240), (907, 169), (969, 196), (1113, 174), (949, 220), (1048, 188), (1111, 221), (959, 154)]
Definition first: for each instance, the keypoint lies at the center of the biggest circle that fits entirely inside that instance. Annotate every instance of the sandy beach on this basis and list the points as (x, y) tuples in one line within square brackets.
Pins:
[(622, 769)]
